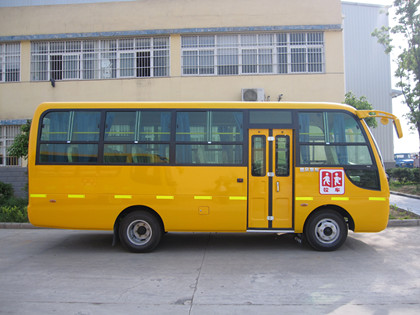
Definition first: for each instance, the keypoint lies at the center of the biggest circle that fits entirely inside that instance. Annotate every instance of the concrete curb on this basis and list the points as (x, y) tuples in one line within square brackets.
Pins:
[(404, 195), (6, 225), (403, 223)]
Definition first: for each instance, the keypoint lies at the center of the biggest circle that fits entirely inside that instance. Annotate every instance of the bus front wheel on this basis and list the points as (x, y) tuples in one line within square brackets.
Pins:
[(140, 232), (326, 230)]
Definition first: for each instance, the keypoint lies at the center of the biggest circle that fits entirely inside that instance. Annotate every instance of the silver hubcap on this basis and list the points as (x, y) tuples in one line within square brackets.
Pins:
[(327, 231), (139, 232)]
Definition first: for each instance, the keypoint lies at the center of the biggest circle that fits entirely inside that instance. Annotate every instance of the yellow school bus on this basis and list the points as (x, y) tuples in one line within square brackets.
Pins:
[(143, 169)]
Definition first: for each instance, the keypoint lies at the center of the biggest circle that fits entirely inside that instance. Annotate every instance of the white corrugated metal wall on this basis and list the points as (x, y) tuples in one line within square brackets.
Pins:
[(367, 67)]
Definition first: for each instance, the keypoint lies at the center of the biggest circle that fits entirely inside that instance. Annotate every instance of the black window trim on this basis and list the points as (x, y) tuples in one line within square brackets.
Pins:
[(172, 142), (298, 144), (373, 167)]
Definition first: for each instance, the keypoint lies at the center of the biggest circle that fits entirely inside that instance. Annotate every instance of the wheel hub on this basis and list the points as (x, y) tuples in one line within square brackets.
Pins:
[(327, 231), (139, 232)]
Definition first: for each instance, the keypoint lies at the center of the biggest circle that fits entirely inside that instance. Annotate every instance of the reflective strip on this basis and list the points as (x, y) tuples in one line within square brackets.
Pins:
[(377, 198), (237, 198), (76, 196), (38, 196), (304, 198), (203, 197), (165, 197), (340, 198), (123, 196)]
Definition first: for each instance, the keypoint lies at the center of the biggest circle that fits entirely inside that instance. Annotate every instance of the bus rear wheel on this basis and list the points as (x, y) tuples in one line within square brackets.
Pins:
[(326, 230), (140, 232)]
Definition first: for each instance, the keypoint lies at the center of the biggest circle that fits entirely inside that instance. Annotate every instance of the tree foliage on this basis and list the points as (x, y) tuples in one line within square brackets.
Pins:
[(19, 148), (407, 20), (361, 103)]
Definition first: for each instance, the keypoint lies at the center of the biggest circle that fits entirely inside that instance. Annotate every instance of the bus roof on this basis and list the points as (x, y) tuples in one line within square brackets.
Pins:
[(198, 104), (223, 105)]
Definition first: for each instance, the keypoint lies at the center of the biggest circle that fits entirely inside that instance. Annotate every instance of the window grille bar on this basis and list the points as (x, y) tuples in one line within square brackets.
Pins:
[(100, 59), (245, 54), (7, 136), (9, 62)]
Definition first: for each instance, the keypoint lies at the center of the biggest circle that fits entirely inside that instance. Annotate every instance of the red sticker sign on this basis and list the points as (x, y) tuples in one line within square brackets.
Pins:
[(331, 182)]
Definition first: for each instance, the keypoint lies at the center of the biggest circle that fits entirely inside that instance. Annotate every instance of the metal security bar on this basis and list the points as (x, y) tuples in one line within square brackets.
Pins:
[(7, 136), (9, 62), (244, 54), (100, 59)]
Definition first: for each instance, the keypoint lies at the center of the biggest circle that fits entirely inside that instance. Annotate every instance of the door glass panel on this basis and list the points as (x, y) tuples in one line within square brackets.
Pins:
[(258, 167), (282, 156)]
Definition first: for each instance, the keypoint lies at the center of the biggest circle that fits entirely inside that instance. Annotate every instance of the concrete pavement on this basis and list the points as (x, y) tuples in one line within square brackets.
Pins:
[(78, 272)]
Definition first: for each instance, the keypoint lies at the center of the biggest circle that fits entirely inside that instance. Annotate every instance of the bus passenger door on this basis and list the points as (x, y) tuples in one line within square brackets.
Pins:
[(270, 179)]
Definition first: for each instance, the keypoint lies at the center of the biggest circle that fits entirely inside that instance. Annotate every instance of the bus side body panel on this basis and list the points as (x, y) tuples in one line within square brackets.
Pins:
[(188, 198), (92, 197), (369, 209)]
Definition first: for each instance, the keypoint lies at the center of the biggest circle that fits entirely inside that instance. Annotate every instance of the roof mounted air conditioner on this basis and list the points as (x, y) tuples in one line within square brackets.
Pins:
[(253, 95)]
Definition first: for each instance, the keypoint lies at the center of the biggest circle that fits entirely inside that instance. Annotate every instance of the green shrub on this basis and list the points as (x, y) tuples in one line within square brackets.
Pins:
[(13, 214), (416, 175), (12, 209), (402, 174), (6, 192), (15, 202)]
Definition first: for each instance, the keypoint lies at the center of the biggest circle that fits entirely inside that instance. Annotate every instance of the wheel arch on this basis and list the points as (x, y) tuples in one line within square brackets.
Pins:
[(343, 212)]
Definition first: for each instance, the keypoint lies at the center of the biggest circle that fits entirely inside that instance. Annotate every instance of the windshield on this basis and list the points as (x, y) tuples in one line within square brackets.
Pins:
[(402, 156)]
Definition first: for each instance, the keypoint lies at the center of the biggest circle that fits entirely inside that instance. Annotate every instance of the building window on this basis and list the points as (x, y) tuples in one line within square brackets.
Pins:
[(100, 59), (7, 136), (9, 62), (245, 54)]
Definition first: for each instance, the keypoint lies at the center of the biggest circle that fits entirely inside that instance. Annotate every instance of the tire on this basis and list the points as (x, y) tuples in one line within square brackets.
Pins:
[(326, 230), (140, 232)]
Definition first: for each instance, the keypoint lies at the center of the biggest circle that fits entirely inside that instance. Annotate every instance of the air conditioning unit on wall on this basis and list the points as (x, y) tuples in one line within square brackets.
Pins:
[(253, 95)]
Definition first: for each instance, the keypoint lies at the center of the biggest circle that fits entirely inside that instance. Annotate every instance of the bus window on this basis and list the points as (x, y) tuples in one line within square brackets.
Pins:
[(344, 129), (154, 126), (136, 153), (70, 137), (270, 117), (68, 153), (135, 137), (85, 126), (220, 134), (336, 139), (226, 126), (55, 126), (119, 126), (191, 126), (332, 139)]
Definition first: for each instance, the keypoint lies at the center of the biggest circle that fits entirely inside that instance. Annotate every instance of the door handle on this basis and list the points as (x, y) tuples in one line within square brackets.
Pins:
[(278, 186)]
